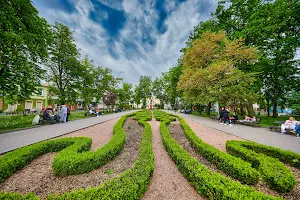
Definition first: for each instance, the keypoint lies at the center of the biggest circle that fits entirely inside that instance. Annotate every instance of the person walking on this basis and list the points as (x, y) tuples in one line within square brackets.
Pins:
[(225, 114), (68, 113), (64, 113)]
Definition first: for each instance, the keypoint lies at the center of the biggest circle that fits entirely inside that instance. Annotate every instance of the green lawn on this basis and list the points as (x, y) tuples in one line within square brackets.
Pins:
[(265, 121), (15, 122)]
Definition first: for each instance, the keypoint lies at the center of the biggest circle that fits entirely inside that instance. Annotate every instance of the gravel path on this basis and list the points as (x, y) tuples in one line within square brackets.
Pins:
[(38, 177), (167, 182), (212, 136), (218, 139)]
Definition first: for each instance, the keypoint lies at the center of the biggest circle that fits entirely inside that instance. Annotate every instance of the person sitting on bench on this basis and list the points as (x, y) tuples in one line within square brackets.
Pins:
[(297, 129), (289, 124), (253, 119), (48, 117)]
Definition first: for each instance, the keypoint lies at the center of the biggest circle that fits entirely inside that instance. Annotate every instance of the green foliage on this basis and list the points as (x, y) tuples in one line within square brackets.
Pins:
[(143, 90), (273, 172), (294, 102), (15, 122), (129, 185), (24, 44), (64, 69), (124, 95), (235, 167), (207, 183)]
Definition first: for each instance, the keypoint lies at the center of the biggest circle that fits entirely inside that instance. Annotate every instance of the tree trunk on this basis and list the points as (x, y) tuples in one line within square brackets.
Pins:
[(250, 108), (241, 109), (200, 107), (208, 108), (268, 106), (275, 102)]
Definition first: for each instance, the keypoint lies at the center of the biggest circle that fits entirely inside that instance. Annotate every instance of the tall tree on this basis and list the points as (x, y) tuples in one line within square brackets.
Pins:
[(24, 42), (143, 90), (211, 73), (124, 95), (64, 66), (159, 89), (172, 78), (272, 26)]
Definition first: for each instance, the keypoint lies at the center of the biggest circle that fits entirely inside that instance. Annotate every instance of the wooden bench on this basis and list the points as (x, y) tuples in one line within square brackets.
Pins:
[(252, 124), (277, 128)]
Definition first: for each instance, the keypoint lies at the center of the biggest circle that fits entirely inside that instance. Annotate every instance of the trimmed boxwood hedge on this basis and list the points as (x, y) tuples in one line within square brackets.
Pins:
[(73, 158), (207, 183), (233, 166), (274, 173), (129, 185)]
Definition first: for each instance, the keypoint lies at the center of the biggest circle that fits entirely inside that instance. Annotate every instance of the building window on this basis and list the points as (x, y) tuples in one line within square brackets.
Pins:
[(40, 92)]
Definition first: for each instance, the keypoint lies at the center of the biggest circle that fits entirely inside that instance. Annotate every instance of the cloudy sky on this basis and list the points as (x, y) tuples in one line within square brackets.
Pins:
[(132, 37)]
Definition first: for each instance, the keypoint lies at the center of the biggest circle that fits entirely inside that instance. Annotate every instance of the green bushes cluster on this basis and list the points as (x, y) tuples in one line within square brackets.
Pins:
[(15, 160), (15, 122), (207, 183), (144, 115), (73, 158), (163, 116), (132, 184), (70, 161), (274, 173), (233, 166), (129, 185)]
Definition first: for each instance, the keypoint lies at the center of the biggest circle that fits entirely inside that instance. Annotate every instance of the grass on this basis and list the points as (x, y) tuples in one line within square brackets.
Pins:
[(265, 121), (16, 122)]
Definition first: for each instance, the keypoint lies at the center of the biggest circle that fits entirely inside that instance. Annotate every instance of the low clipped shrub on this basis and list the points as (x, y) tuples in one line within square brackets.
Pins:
[(73, 158), (233, 166), (207, 183), (131, 184), (274, 173)]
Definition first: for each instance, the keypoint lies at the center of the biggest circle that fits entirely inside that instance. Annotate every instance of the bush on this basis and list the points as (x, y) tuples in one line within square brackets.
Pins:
[(131, 184), (207, 183), (235, 167), (15, 121), (273, 172)]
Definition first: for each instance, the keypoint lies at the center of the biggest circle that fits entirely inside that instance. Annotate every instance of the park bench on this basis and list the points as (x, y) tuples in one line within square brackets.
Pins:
[(277, 128), (252, 124)]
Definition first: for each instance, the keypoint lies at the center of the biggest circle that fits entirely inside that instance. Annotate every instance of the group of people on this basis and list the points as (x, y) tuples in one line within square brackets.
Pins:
[(293, 125), (94, 111), (59, 115), (224, 116), (249, 119)]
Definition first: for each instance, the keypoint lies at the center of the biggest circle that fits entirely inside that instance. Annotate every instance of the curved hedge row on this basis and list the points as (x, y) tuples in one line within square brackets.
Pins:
[(233, 166), (274, 173), (73, 158), (133, 183), (129, 185), (207, 183)]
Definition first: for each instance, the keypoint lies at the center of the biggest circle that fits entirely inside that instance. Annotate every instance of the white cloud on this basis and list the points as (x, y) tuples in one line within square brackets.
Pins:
[(141, 49)]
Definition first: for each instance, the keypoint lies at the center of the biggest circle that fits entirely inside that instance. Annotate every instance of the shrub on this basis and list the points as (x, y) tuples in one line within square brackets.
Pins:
[(207, 183), (129, 185), (15, 122), (231, 165), (273, 172)]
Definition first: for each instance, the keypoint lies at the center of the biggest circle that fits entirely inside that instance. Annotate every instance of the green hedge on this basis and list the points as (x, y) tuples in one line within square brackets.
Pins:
[(11, 122), (207, 183), (132, 184), (274, 173), (129, 185), (73, 158), (233, 166)]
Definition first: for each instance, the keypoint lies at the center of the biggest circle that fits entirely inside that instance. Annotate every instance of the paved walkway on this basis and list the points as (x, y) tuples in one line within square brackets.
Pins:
[(14, 140), (259, 135)]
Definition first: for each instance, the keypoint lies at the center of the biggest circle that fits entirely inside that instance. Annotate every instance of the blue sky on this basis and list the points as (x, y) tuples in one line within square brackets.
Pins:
[(132, 37)]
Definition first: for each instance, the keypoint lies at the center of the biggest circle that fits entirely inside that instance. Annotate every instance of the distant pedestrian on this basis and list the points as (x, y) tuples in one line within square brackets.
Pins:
[(68, 113), (64, 113), (225, 114)]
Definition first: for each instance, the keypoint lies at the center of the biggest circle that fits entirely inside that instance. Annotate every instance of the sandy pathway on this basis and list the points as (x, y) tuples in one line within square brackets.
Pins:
[(167, 182)]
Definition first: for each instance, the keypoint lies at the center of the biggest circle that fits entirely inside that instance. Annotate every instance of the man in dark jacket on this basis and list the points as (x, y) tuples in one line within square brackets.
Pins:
[(225, 114), (48, 117)]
